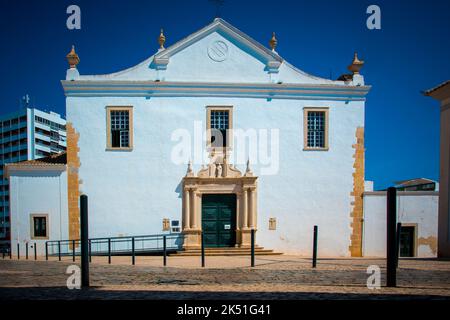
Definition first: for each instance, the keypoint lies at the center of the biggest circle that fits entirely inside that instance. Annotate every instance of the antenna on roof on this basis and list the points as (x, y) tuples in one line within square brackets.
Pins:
[(218, 4), (25, 101)]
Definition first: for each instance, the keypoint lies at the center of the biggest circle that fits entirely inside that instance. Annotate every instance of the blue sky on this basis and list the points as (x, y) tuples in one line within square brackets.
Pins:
[(408, 55)]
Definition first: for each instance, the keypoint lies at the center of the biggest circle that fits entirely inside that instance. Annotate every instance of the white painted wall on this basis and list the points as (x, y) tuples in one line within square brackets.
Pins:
[(131, 192), (413, 207), (37, 192)]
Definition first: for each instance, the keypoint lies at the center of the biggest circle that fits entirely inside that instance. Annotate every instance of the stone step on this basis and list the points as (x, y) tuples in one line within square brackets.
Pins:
[(226, 252), (221, 250), (225, 249), (229, 254)]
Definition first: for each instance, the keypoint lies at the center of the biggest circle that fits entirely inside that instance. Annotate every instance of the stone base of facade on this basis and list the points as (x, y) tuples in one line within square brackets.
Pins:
[(192, 239), (244, 238)]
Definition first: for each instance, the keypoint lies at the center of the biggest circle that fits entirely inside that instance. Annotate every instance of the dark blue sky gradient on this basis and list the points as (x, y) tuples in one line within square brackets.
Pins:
[(409, 54)]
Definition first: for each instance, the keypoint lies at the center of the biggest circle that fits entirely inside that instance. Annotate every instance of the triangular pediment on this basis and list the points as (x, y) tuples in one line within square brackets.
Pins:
[(229, 32), (217, 53)]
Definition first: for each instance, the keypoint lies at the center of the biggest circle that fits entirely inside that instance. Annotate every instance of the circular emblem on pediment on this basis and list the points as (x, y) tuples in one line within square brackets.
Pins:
[(218, 51)]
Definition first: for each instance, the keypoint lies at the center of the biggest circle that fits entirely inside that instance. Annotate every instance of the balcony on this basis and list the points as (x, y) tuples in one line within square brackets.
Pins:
[(41, 147), (42, 137)]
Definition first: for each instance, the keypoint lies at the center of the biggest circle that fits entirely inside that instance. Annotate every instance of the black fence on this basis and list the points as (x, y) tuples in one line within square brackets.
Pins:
[(159, 244)]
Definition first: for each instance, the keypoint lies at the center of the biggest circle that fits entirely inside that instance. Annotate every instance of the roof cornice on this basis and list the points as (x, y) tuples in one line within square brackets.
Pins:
[(87, 88)]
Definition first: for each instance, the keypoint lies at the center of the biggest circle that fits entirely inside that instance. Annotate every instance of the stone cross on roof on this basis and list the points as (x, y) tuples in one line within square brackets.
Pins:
[(218, 4)]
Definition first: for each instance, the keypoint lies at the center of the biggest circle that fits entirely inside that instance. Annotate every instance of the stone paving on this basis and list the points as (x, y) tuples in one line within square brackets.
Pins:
[(274, 277)]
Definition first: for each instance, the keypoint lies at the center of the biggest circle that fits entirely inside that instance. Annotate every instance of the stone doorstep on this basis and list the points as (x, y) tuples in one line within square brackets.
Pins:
[(233, 251), (197, 254)]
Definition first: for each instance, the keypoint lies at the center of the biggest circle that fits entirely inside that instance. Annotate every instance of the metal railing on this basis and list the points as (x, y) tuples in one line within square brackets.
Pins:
[(116, 246), (158, 244)]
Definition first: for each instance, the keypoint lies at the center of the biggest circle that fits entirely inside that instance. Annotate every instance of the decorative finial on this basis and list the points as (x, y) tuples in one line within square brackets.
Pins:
[(273, 42), (189, 172), (248, 171), (356, 65), (72, 58), (161, 39)]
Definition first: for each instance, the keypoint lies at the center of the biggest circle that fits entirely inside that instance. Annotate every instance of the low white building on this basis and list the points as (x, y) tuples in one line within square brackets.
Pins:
[(38, 202), (417, 211), (26, 134)]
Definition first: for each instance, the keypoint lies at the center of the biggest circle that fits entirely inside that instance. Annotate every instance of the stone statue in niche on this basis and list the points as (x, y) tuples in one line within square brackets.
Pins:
[(219, 170)]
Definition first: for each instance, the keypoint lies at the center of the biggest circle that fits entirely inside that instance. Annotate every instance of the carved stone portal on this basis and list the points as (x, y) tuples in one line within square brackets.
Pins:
[(216, 178)]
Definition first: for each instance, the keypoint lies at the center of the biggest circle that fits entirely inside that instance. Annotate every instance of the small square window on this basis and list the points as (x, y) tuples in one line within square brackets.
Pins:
[(39, 226)]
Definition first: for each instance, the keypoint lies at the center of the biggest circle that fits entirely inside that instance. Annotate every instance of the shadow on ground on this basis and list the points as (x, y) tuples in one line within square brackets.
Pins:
[(97, 293)]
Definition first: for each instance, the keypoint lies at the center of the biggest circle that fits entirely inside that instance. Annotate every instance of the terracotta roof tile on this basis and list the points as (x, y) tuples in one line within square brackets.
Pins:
[(413, 182), (54, 159), (427, 92)]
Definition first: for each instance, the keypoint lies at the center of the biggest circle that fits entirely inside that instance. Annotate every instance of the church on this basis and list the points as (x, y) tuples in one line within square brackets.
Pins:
[(218, 134)]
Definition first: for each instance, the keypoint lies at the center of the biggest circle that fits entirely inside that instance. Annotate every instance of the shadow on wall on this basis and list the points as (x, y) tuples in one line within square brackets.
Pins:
[(179, 189)]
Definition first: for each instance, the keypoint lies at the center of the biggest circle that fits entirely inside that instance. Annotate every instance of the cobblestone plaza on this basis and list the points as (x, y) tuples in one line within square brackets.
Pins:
[(274, 277)]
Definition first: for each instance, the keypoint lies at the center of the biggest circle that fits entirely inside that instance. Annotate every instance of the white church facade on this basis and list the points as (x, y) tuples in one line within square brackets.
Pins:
[(216, 135), (221, 134)]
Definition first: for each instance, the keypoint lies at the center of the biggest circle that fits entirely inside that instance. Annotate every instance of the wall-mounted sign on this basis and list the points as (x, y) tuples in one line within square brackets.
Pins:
[(272, 224), (166, 224)]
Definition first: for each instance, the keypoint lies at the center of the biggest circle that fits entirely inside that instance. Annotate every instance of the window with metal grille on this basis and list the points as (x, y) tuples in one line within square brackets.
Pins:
[(40, 226), (219, 126), (316, 129), (120, 129)]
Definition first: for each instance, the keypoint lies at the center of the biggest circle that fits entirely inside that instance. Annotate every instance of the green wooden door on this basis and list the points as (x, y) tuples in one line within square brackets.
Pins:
[(407, 241), (219, 220)]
